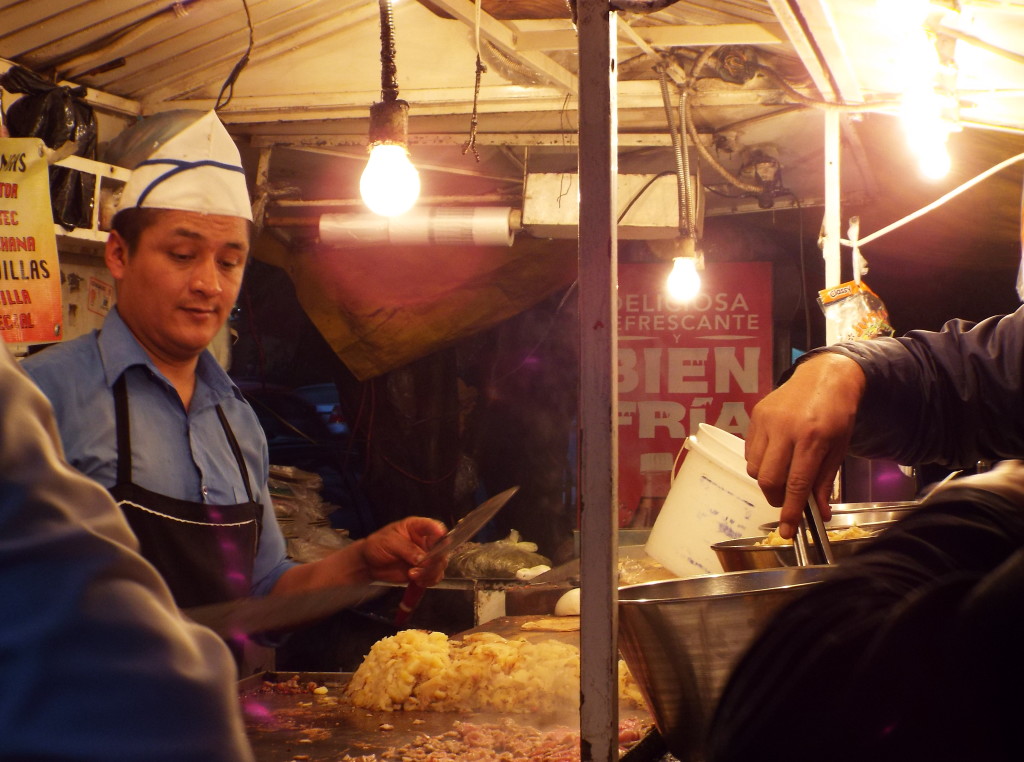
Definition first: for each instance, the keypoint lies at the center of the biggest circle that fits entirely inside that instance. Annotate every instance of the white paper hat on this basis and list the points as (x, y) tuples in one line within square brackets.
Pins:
[(197, 168)]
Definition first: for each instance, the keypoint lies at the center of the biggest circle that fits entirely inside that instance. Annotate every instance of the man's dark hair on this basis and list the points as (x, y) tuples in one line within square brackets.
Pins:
[(129, 224)]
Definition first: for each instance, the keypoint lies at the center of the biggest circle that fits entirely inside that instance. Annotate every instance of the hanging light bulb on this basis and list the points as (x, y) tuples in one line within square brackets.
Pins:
[(390, 183), (930, 108), (684, 280)]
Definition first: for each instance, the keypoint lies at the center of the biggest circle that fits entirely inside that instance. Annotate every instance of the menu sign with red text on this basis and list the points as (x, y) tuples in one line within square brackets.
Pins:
[(30, 296), (681, 364)]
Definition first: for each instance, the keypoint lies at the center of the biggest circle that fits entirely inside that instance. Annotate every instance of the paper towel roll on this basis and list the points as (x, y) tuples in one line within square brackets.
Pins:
[(474, 226)]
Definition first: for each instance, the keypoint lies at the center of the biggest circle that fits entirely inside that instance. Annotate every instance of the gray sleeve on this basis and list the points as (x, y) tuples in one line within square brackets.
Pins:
[(951, 396), (105, 666)]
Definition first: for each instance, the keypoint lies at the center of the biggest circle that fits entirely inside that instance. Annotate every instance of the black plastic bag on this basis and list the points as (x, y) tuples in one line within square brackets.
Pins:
[(56, 114)]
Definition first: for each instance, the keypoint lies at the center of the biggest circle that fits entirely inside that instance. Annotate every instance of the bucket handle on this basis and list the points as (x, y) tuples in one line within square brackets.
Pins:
[(675, 463)]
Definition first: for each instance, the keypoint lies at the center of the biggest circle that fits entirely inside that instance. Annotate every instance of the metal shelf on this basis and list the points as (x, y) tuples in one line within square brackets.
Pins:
[(108, 179)]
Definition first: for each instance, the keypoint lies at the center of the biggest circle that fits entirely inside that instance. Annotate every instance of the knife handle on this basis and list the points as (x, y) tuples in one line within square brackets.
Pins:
[(411, 599)]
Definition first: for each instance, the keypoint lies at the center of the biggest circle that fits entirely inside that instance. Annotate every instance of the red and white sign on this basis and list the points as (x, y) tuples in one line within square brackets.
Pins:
[(681, 364), (30, 296)]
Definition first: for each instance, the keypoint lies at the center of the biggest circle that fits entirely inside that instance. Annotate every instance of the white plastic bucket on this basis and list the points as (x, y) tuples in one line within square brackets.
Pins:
[(711, 499), (729, 446)]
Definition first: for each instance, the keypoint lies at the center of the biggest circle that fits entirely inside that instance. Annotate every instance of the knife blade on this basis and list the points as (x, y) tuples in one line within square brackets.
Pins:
[(464, 530), (249, 616), (567, 572)]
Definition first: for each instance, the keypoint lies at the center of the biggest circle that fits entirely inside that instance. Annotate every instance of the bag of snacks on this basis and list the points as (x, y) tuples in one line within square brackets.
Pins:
[(856, 311)]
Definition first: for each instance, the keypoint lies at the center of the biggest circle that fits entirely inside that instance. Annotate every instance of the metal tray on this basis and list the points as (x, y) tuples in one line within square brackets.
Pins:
[(323, 728)]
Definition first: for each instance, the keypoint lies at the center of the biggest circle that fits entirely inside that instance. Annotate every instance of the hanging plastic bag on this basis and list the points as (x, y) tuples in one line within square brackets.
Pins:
[(856, 311), (56, 114)]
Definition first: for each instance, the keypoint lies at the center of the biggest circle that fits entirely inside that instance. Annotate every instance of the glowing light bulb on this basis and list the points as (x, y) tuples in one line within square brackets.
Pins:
[(684, 281), (927, 129), (390, 183), (933, 160)]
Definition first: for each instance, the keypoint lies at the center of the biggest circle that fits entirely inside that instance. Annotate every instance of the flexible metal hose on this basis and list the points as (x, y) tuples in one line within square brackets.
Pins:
[(690, 202), (388, 68), (681, 180)]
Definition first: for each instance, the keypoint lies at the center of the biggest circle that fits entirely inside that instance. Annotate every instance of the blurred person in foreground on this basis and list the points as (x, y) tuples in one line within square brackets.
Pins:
[(98, 663), (908, 651), (144, 409)]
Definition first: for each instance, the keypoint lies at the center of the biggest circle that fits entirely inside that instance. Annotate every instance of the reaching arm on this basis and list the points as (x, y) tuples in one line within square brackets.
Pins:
[(799, 434)]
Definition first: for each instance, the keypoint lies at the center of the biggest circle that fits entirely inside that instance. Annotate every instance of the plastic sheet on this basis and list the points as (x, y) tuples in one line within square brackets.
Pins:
[(495, 560), (302, 514), (477, 226), (57, 115)]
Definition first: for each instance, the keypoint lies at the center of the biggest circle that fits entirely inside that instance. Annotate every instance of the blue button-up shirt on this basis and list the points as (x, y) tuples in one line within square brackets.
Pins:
[(178, 453)]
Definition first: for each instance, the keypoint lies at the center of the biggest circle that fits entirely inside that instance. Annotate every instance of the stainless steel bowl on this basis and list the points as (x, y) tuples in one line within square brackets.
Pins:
[(745, 554), (842, 508), (681, 639), (869, 519)]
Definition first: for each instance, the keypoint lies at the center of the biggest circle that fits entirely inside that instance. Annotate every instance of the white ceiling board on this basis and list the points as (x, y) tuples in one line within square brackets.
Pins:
[(504, 38)]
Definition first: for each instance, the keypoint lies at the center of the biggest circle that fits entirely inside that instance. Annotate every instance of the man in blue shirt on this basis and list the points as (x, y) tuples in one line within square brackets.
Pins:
[(144, 409)]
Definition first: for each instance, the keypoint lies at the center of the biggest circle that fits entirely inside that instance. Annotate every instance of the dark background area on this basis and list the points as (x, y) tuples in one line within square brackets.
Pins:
[(442, 433), (498, 409)]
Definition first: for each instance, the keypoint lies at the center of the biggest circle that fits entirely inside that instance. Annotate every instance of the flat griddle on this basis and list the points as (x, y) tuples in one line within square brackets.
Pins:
[(283, 727)]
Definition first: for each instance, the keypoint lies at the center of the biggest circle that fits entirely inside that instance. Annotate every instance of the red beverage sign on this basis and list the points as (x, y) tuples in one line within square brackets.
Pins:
[(682, 364)]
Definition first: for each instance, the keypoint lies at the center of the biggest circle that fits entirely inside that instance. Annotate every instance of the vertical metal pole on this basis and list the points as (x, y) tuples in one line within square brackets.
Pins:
[(830, 246), (598, 411)]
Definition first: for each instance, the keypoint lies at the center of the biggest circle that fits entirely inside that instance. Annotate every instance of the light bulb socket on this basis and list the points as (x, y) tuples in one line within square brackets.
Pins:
[(698, 260), (669, 249), (389, 123)]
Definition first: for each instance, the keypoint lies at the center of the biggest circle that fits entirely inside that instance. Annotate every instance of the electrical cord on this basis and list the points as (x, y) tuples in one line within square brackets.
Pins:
[(815, 103), (637, 196), (229, 83), (542, 339), (803, 267), (715, 163), (935, 204)]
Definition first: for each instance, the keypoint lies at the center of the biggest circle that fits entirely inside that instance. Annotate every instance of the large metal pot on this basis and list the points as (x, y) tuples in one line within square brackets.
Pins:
[(681, 638)]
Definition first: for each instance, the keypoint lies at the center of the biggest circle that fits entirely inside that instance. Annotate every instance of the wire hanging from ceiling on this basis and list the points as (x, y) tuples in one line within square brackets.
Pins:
[(934, 204), (481, 68), (229, 83)]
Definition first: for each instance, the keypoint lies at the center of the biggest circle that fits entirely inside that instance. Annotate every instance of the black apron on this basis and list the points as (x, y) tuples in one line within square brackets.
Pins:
[(204, 552)]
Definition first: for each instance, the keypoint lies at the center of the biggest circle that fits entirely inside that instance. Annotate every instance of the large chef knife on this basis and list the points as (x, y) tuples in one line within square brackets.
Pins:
[(464, 530), (248, 616)]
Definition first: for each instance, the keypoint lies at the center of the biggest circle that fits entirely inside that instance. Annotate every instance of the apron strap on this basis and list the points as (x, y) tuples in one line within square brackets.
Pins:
[(124, 438), (236, 450)]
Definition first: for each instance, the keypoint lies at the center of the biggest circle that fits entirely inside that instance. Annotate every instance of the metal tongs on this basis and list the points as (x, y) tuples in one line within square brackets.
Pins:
[(811, 543)]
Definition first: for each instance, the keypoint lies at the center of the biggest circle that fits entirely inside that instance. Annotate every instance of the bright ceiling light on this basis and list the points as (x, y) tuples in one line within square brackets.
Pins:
[(684, 280), (930, 108), (390, 183)]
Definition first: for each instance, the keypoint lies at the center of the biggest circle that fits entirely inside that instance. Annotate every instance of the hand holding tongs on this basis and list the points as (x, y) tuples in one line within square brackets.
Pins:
[(811, 523)]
